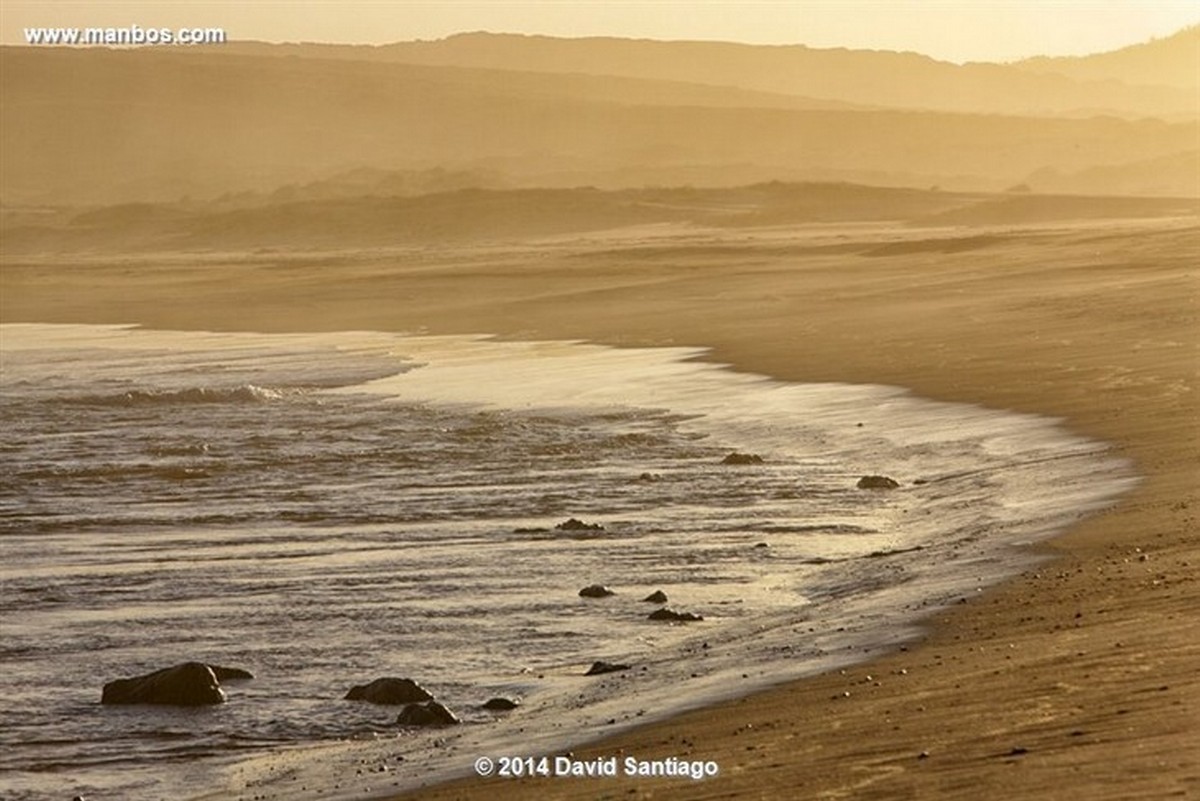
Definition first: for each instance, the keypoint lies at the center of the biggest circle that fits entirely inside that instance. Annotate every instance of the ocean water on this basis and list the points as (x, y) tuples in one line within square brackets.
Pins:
[(324, 509)]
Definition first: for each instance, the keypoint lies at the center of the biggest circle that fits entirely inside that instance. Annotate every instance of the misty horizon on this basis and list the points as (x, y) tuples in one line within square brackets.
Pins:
[(221, 120)]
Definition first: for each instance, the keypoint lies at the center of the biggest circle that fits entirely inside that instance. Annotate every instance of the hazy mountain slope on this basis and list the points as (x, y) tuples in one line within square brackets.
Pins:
[(875, 78), (1171, 61), (516, 76), (98, 126), (1175, 175)]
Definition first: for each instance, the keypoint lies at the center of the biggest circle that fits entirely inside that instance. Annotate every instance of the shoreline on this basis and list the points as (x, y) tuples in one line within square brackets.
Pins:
[(1073, 680), (993, 464)]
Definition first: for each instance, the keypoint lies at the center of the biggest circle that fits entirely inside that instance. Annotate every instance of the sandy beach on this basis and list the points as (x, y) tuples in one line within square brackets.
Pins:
[(1075, 680)]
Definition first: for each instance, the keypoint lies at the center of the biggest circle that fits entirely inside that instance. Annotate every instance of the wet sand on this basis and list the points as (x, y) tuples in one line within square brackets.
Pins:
[(1076, 680)]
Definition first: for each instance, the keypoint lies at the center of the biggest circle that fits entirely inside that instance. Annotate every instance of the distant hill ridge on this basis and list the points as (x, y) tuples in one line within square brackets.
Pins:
[(1169, 61), (1158, 83), (99, 126)]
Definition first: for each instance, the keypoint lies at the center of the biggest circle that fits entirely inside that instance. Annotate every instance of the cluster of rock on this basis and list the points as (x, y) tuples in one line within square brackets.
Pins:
[(662, 614), (199, 684), (420, 707)]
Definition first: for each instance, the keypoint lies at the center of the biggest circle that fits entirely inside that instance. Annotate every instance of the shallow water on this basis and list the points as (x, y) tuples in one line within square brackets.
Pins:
[(326, 509)]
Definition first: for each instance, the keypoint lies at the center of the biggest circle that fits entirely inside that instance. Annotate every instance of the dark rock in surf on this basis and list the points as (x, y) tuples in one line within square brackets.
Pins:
[(501, 704), (742, 458), (578, 525), (656, 597), (389, 691), (598, 668), (230, 674), (188, 684), (430, 713), (596, 591), (877, 483), (671, 615)]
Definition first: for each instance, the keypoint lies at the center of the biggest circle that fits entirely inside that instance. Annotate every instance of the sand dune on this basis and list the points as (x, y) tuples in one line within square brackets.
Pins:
[(475, 215)]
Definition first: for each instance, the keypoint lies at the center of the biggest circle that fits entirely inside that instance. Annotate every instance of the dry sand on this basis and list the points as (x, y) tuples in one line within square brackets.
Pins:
[(1078, 679)]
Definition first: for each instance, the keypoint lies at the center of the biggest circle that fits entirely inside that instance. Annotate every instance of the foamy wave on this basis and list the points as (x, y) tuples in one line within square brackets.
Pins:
[(246, 393)]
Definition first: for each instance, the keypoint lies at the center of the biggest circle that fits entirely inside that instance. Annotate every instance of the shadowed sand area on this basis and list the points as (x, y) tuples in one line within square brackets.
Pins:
[(1077, 679)]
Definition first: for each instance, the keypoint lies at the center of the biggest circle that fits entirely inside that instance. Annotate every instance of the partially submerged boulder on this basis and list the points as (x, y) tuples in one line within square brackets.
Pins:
[(672, 616), (877, 483), (578, 525), (596, 591), (656, 597), (230, 673), (188, 684), (389, 691), (430, 713), (742, 458)]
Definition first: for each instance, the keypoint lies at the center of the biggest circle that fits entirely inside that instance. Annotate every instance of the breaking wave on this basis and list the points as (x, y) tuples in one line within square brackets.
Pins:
[(246, 393)]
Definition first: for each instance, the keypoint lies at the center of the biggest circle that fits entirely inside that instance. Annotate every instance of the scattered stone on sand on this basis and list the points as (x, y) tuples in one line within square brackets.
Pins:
[(188, 684), (649, 477), (596, 591), (605, 667), (894, 552), (742, 458), (673, 616), (501, 704), (430, 713), (656, 597), (877, 483), (762, 545), (389, 691), (578, 525)]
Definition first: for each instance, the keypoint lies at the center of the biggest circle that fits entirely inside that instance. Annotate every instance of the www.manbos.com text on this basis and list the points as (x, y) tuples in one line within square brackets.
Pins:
[(129, 35)]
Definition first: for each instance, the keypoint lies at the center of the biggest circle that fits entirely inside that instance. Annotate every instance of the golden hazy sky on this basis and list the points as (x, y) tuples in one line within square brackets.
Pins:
[(954, 30)]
